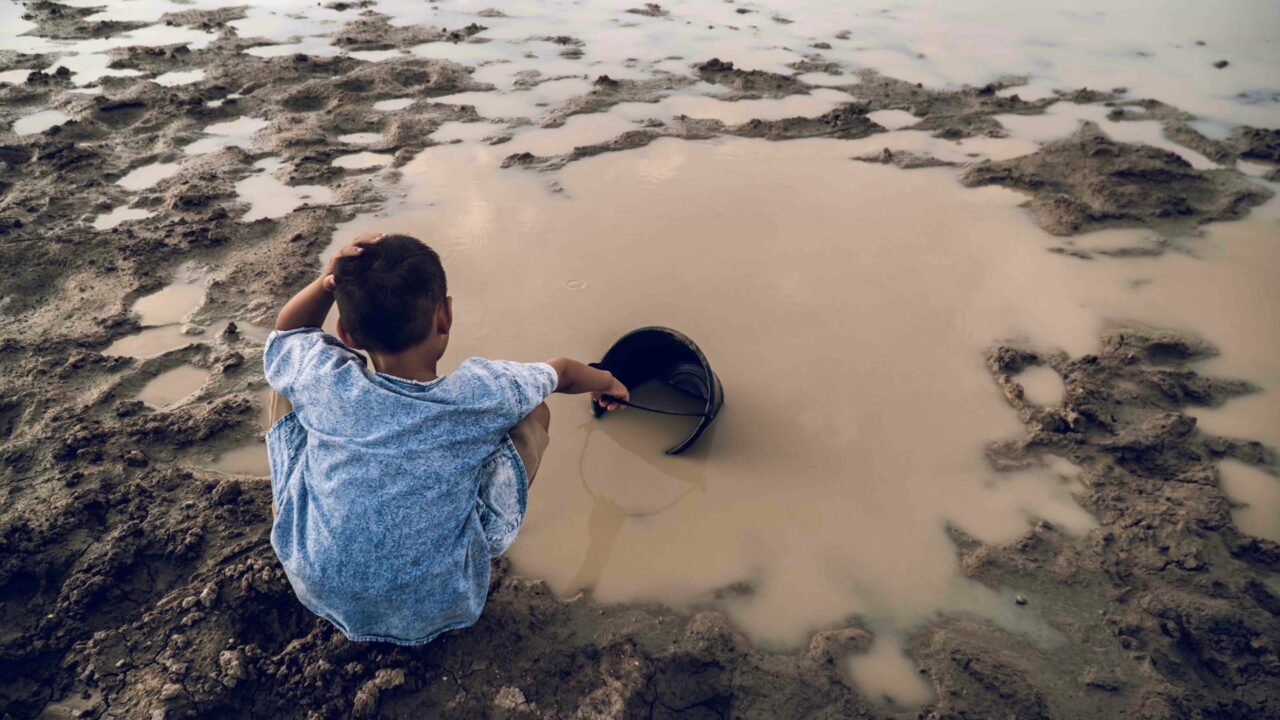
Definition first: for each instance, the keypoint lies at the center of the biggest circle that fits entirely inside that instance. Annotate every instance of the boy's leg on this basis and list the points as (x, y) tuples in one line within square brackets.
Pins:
[(531, 437), (277, 407)]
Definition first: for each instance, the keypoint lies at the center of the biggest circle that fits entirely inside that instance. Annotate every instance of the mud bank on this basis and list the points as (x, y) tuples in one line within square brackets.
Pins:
[(134, 583)]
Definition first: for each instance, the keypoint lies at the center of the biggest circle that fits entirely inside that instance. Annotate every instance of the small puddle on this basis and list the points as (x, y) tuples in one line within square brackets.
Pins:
[(886, 674), (248, 459), (148, 176), (360, 138), (1258, 496), (179, 77), (170, 387), (393, 104), (175, 302), (455, 130), (268, 197), (39, 122), (151, 342), (233, 133), (16, 77), (122, 214), (375, 55), (1041, 385), (363, 160)]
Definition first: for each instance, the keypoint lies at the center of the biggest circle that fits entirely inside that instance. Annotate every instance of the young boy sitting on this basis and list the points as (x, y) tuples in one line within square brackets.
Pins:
[(393, 486)]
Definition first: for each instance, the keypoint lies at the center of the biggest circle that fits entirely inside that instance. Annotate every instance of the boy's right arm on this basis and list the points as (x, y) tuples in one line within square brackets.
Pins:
[(575, 377)]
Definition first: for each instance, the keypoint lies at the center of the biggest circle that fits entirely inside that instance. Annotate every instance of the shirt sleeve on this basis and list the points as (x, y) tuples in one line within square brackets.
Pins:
[(518, 387), (293, 359)]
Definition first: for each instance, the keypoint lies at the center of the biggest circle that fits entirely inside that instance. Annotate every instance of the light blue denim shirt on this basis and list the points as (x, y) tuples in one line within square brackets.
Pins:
[(377, 483)]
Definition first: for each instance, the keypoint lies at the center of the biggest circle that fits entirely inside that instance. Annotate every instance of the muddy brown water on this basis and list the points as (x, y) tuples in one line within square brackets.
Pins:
[(847, 321)]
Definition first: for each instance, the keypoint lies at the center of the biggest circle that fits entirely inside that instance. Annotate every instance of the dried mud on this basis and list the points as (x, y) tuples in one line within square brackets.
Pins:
[(133, 583)]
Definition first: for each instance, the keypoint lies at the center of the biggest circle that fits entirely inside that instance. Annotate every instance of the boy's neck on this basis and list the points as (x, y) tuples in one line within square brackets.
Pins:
[(417, 363)]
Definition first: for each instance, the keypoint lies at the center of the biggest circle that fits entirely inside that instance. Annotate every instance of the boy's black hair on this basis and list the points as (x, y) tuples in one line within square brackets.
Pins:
[(387, 295)]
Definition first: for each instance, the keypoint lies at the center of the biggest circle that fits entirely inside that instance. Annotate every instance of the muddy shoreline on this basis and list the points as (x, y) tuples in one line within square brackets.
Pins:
[(134, 584)]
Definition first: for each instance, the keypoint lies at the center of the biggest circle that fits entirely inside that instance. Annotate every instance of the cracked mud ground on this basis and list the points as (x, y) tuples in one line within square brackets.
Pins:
[(132, 585)]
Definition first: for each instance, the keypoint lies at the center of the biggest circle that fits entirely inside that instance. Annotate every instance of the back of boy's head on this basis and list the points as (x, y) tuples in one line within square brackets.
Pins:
[(388, 293)]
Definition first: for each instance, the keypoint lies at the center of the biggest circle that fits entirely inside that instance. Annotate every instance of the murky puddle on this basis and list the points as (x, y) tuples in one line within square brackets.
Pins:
[(233, 133), (268, 197), (39, 122), (847, 318), (171, 387), (119, 215)]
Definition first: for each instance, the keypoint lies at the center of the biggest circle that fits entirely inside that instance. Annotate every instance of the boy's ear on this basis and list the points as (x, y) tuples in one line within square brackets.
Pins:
[(444, 316), (345, 336)]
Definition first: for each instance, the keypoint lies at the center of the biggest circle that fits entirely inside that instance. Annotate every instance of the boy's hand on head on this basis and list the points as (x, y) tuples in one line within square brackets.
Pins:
[(355, 247), (609, 398)]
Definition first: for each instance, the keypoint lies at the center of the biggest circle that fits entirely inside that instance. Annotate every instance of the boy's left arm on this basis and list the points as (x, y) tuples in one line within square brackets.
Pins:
[(310, 306)]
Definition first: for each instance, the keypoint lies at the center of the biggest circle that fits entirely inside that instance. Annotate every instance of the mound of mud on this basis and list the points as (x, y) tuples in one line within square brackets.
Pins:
[(748, 83), (1189, 627), (1089, 181)]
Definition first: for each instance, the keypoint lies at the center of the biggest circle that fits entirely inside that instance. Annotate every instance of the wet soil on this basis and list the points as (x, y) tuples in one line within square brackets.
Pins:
[(133, 584)]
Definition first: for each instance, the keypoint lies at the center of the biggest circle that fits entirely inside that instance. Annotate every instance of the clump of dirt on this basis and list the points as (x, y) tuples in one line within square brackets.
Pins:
[(1089, 181), (749, 83), (904, 159), (817, 63), (649, 10), (64, 22), (630, 140), (847, 122), (1257, 143), (950, 114), (377, 33), (607, 92)]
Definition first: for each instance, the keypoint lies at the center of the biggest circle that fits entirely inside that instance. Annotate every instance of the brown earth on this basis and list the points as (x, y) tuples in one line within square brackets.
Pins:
[(135, 584)]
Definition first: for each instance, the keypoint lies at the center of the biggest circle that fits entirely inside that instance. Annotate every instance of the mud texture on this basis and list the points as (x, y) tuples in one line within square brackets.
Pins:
[(1089, 181), (748, 83), (607, 92), (135, 582), (904, 159), (1185, 622), (950, 114)]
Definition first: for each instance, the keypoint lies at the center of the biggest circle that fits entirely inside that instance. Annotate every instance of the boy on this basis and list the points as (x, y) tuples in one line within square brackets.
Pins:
[(393, 487)]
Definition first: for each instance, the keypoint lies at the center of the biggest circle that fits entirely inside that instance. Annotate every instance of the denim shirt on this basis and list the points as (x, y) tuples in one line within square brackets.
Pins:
[(376, 478)]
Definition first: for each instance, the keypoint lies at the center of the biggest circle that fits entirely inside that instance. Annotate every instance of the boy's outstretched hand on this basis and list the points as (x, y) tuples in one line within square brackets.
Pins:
[(609, 398), (576, 377)]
